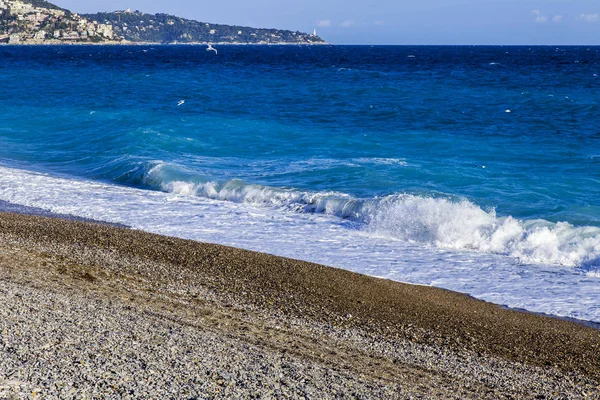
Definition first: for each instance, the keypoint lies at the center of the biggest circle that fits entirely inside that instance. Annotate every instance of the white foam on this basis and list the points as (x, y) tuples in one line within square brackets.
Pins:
[(463, 225), (405, 238), (444, 223), (381, 161)]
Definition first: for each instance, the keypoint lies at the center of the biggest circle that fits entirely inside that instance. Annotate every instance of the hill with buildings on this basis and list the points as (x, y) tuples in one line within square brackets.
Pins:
[(136, 26), (41, 22)]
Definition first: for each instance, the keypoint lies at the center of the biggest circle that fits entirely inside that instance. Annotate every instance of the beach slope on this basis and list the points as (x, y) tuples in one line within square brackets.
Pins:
[(91, 310)]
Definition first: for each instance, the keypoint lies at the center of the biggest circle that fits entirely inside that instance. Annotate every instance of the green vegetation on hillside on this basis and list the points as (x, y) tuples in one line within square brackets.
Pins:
[(44, 4), (164, 28)]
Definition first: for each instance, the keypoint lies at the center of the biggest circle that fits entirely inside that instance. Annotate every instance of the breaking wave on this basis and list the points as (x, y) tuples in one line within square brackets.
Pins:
[(443, 222)]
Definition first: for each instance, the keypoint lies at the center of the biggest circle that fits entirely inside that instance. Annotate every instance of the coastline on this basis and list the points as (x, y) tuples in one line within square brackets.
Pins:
[(6, 207), (351, 332), (126, 43)]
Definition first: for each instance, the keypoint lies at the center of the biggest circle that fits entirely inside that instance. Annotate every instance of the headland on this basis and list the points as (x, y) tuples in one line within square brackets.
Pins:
[(39, 22)]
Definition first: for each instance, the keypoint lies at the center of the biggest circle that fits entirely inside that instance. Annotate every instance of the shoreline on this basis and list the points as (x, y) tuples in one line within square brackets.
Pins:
[(6, 207), (162, 44), (346, 331)]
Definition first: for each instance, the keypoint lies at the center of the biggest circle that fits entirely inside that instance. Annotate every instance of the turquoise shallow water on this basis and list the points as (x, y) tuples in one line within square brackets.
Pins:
[(468, 151)]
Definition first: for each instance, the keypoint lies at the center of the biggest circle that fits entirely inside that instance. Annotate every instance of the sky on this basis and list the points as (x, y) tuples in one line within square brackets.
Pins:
[(404, 22)]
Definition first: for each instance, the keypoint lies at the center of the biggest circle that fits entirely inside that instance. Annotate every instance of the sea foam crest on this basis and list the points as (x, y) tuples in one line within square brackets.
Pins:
[(446, 223)]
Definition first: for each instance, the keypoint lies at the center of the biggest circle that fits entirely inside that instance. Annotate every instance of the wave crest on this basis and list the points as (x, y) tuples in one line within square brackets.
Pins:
[(446, 223)]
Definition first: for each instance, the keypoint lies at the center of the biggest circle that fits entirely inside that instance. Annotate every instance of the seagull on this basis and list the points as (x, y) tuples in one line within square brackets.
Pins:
[(180, 103), (210, 48)]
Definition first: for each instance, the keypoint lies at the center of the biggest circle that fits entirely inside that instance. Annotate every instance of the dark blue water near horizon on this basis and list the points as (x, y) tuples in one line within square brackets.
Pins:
[(475, 168)]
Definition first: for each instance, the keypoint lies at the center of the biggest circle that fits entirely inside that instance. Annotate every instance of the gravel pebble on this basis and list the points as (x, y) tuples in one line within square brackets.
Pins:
[(83, 315)]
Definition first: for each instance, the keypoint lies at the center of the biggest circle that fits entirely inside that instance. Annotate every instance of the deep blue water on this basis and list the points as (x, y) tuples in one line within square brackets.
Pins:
[(488, 149)]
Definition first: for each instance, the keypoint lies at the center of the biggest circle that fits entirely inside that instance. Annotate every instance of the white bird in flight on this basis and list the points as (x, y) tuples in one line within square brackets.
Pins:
[(210, 48), (180, 103)]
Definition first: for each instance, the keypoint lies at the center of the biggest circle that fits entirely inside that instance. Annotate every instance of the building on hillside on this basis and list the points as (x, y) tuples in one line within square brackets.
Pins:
[(19, 8), (106, 31), (70, 36)]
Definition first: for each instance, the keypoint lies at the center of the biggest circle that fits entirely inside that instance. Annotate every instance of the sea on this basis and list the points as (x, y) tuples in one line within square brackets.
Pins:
[(475, 169)]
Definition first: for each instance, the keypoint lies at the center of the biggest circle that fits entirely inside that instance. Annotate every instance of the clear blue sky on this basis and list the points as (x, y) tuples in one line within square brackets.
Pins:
[(391, 21)]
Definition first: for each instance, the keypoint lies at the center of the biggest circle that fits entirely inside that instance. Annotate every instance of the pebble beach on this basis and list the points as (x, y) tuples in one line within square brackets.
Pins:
[(96, 311)]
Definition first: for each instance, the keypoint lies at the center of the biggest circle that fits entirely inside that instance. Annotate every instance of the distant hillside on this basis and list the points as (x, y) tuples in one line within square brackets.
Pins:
[(41, 22), (163, 28)]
